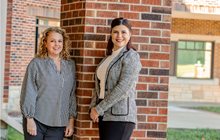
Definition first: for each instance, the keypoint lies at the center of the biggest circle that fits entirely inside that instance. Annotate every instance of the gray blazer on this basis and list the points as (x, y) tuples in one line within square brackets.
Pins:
[(121, 78)]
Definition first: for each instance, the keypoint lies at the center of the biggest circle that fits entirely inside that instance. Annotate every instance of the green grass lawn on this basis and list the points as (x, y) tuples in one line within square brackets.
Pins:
[(14, 134), (215, 109), (193, 134), (196, 134)]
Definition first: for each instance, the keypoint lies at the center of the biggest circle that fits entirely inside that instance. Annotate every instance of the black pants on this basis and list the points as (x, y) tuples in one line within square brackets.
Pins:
[(44, 132), (112, 130)]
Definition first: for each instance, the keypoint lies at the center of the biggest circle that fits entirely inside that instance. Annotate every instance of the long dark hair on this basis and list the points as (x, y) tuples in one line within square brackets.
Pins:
[(116, 22)]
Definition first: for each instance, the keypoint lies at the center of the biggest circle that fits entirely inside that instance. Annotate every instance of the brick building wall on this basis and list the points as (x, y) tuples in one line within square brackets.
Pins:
[(200, 27), (203, 27), (198, 30), (20, 42), (87, 23)]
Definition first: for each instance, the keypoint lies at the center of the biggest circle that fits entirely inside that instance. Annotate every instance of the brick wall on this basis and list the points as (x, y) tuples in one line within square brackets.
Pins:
[(87, 24), (20, 38), (203, 27)]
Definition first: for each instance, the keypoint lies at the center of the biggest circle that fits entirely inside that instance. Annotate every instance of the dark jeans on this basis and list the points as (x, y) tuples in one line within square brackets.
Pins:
[(112, 130), (44, 132)]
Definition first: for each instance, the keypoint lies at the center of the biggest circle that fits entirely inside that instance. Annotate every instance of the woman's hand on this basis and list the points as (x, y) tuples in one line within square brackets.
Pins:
[(31, 127), (70, 128), (94, 115)]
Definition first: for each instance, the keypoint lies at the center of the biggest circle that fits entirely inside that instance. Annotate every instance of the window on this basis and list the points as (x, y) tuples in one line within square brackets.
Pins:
[(41, 25), (194, 59)]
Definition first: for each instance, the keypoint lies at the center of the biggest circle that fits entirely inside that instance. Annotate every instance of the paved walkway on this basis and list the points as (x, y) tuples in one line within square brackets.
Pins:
[(181, 117)]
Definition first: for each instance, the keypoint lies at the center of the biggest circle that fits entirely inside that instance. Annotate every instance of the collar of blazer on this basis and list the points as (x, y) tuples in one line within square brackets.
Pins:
[(121, 53)]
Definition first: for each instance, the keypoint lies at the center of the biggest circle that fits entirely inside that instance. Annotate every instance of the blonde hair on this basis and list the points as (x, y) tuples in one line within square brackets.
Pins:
[(43, 52)]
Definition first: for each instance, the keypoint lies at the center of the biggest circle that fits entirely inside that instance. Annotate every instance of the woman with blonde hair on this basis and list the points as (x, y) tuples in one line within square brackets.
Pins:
[(48, 100)]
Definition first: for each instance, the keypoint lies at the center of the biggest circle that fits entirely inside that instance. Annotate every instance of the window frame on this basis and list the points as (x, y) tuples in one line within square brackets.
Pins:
[(175, 55)]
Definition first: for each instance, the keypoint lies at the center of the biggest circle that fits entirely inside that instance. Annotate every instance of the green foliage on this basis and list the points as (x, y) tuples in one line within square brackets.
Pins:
[(14, 134), (193, 134), (215, 109)]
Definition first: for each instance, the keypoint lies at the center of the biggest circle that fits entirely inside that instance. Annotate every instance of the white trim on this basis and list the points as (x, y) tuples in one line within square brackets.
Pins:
[(188, 15), (3, 16), (176, 37)]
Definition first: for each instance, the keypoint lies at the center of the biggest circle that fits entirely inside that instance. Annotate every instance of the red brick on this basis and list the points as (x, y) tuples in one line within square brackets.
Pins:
[(84, 92), (163, 111), (140, 39), (138, 8), (147, 110), (150, 47), (83, 109), (86, 84), (118, 7), (157, 103), (138, 134), (90, 13), (164, 64), (148, 126), (107, 14), (150, 63), (160, 40), (159, 56), (142, 24), (151, 2), (82, 124), (87, 132), (141, 118), (135, 32), (90, 5), (157, 25), (83, 100), (148, 79), (151, 32), (141, 87), (162, 127), (157, 118), (163, 95), (103, 30), (91, 21), (158, 87), (101, 45), (131, 1), (165, 48), (166, 34), (164, 80), (129, 15)]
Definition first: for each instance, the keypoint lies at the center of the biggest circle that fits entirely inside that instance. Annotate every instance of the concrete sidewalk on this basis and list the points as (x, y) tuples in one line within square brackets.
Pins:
[(181, 117)]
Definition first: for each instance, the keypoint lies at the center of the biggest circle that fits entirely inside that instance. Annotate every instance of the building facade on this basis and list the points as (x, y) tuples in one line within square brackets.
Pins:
[(87, 23), (195, 51)]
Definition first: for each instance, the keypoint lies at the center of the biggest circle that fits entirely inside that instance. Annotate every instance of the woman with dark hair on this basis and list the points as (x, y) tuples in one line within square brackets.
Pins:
[(113, 103)]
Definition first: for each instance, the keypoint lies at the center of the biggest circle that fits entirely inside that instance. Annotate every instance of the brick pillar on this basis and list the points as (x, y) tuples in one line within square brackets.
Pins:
[(216, 71), (87, 23)]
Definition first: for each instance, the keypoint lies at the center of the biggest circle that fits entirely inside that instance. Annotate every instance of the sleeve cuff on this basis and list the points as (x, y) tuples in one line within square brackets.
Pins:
[(29, 116), (99, 110)]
